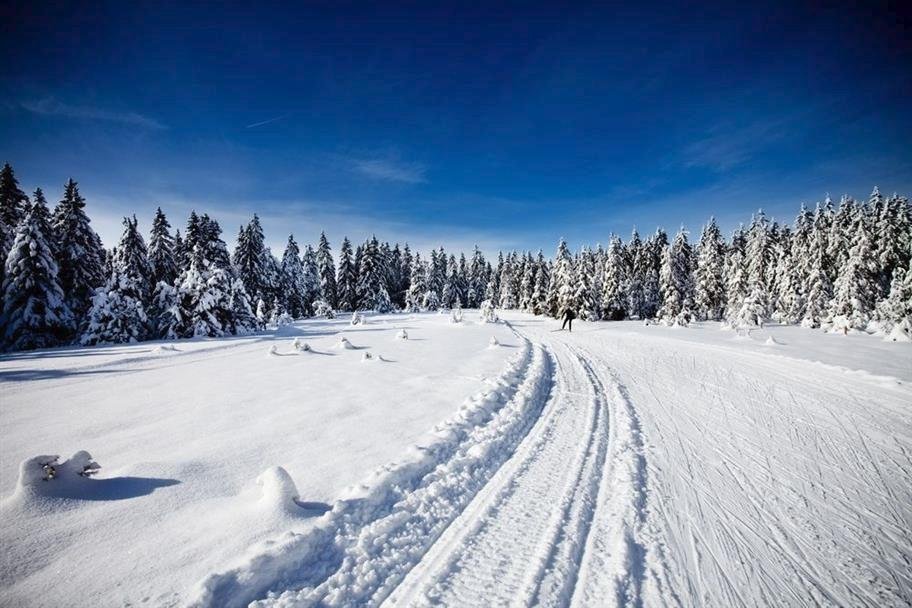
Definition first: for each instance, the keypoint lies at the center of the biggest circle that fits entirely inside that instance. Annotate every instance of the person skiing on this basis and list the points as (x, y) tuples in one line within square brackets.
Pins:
[(569, 315)]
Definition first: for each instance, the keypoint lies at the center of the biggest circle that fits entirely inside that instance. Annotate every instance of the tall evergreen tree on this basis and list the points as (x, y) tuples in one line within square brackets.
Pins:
[(676, 282), (855, 289), (347, 279), (34, 311), (293, 282), (249, 258), (80, 253), (14, 204), (417, 285), (614, 295), (312, 290), (162, 256), (709, 277), (372, 294), (118, 311)]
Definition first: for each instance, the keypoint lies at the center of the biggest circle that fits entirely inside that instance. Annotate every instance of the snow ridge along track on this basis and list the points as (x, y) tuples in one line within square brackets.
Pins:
[(373, 536)]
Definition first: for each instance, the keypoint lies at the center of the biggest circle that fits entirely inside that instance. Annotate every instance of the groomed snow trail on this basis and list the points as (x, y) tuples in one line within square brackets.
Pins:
[(626, 468), (371, 538)]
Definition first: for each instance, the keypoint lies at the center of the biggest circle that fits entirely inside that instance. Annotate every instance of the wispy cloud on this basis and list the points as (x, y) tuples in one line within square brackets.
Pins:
[(267, 121), (391, 170), (52, 107), (726, 147)]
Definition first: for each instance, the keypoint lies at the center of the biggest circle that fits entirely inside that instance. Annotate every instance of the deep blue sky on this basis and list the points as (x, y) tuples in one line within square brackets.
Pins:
[(507, 126)]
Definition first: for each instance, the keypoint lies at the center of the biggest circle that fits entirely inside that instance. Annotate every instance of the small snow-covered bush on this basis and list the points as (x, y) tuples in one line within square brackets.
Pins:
[(284, 319), (357, 318), (367, 356), (493, 341), (273, 350), (323, 310), (488, 314), (344, 343), (402, 335), (300, 346), (456, 314), (47, 476)]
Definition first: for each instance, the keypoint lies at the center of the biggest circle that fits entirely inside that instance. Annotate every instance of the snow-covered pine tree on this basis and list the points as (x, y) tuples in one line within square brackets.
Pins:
[(584, 297), (818, 288), (709, 275), (79, 251), (614, 294), (449, 297), (560, 288), (539, 305), (462, 283), (527, 286), (652, 295), (180, 252), (855, 289), (477, 279), (347, 279), (249, 257), (405, 272), (271, 281), (840, 238), (636, 277), (676, 282), (414, 299), (759, 257), (311, 280), (893, 229), (507, 296), (35, 313), (162, 250), (372, 293), (293, 287), (14, 206), (118, 311), (894, 314)]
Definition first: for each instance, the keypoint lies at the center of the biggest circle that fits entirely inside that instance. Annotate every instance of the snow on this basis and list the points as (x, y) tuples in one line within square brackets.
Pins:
[(183, 431), (620, 464)]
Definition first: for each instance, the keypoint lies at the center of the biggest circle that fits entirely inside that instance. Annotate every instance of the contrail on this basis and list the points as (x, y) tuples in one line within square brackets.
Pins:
[(266, 122)]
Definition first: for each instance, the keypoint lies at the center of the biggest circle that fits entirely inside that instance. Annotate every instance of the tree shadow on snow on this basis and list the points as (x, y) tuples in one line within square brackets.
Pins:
[(25, 375)]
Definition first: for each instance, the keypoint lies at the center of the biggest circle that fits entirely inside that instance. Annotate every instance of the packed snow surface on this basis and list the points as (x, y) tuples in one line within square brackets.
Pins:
[(476, 464)]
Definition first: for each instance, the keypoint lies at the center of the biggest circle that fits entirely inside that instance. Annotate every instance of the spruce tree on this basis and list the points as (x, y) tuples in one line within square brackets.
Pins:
[(759, 257), (162, 256), (819, 289), (614, 295), (80, 253), (118, 311), (250, 258), (560, 289), (855, 289), (347, 278), (417, 286), (293, 288), (585, 298), (676, 283), (35, 313), (312, 290), (14, 204), (372, 294), (709, 278)]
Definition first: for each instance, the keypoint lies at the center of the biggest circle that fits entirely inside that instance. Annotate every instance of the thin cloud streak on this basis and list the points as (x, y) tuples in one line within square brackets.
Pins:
[(267, 121), (52, 107), (389, 170)]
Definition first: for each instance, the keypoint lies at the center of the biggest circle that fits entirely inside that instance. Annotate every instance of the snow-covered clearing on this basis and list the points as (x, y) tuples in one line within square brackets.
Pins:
[(617, 465)]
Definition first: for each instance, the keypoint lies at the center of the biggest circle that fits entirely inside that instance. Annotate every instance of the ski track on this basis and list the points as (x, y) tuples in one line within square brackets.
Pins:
[(368, 542), (624, 471)]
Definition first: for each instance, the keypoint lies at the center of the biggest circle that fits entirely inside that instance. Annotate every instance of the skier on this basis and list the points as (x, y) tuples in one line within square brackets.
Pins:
[(568, 317)]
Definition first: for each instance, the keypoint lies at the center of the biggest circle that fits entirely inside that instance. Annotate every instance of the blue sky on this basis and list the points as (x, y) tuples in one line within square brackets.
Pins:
[(455, 124)]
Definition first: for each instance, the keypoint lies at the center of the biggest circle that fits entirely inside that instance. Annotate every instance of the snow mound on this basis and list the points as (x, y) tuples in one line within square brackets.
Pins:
[(279, 492), (357, 319), (367, 357), (344, 343), (402, 335), (273, 350), (493, 342), (45, 476), (899, 333), (771, 341), (300, 346), (165, 348)]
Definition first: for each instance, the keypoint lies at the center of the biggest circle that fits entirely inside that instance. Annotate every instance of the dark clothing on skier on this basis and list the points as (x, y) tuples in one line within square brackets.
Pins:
[(568, 317)]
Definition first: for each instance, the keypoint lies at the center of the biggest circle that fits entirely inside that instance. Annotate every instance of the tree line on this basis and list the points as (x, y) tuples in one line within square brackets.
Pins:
[(843, 268)]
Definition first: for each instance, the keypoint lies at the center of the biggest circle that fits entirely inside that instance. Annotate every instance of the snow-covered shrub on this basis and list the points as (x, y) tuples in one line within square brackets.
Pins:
[(402, 335), (431, 301), (493, 341), (278, 490), (323, 310), (456, 314), (487, 312), (46, 476), (357, 318), (300, 346), (116, 316), (284, 319), (367, 356), (273, 350), (344, 343)]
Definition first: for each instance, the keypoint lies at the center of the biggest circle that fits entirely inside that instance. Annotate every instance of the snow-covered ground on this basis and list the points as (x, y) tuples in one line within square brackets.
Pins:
[(617, 465)]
